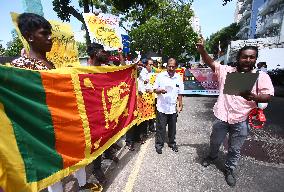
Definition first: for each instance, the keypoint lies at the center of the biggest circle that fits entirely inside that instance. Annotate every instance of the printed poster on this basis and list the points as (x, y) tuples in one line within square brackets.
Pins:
[(104, 29)]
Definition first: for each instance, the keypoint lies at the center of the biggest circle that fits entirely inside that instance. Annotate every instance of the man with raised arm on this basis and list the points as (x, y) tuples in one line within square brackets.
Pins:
[(232, 111)]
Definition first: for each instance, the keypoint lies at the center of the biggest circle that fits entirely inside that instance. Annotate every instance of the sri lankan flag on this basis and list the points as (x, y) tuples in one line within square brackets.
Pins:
[(54, 122)]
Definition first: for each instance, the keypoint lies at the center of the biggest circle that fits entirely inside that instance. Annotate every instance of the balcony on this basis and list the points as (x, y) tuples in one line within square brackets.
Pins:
[(245, 15), (243, 33), (268, 6), (247, 2), (269, 22), (244, 8), (244, 22), (260, 29), (274, 20)]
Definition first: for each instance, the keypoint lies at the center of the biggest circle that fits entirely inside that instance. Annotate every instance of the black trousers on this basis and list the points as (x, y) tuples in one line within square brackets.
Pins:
[(98, 162), (133, 134), (152, 125), (162, 121), (152, 121)]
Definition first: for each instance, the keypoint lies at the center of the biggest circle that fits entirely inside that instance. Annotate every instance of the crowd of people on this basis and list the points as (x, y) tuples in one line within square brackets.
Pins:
[(231, 111)]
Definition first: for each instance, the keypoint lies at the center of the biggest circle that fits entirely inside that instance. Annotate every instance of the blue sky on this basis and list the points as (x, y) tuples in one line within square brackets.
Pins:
[(213, 16), (7, 6)]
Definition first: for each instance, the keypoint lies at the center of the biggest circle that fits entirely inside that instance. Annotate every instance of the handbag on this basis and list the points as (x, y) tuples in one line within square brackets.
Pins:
[(256, 116)]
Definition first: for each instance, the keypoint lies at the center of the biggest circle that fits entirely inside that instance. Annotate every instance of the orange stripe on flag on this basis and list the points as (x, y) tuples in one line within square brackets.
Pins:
[(68, 128)]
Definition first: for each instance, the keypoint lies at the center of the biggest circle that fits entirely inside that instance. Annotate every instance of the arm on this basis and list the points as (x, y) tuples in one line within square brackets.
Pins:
[(160, 91), (180, 92), (206, 58), (121, 58), (156, 86), (143, 75), (265, 90), (264, 98), (180, 105)]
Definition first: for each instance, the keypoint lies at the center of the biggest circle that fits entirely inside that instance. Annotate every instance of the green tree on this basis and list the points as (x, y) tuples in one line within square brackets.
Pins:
[(2, 50), (135, 11), (14, 46), (224, 36), (167, 22), (82, 49), (140, 11), (168, 33), (65, 10), (226, 1)]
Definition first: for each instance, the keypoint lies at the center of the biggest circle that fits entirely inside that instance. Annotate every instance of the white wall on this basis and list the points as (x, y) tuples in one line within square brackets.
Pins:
[(83, 61), (272, 57)]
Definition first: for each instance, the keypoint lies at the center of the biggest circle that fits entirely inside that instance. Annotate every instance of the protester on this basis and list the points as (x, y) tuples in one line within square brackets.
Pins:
[(117, 62), (37, 32), (145, 77), (155, 64), (149, 88), (140, 66), (99, 57), (169, 87), (121, 58), (133, 134), (147, 72), (261, 66), (232, 111)]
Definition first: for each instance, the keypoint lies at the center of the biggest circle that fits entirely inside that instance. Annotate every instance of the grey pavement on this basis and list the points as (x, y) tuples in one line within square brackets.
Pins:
[(145, 170)]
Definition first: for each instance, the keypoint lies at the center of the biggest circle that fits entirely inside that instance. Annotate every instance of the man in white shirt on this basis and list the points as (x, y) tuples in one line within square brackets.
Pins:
[(145, 86), (169, 87), (146, 72)]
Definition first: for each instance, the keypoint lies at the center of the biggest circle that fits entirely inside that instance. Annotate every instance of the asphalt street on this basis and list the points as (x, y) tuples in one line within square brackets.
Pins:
[(143, 170)]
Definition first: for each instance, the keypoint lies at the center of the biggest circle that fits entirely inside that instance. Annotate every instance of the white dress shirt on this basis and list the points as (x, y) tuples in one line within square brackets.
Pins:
[(166, 103), (145, 76)]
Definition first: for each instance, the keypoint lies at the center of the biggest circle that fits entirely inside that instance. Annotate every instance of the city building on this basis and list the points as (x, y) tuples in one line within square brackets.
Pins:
[(261, 24), (238, 13), (270, 20), (246, 16)]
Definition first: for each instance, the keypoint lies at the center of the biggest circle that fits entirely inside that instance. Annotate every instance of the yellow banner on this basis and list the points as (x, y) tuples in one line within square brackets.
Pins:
[(64, 51), (104, 29)]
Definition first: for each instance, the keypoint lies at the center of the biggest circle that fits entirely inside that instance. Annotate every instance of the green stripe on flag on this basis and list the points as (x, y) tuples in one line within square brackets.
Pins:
[(23, 97)]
